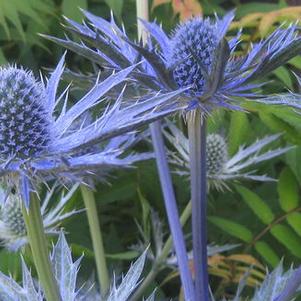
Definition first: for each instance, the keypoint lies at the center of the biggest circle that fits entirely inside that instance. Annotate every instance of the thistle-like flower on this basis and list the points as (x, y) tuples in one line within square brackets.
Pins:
[(196, 56), (66, 272), (193, 47), (37, 136), (12, 226), (222, 168)]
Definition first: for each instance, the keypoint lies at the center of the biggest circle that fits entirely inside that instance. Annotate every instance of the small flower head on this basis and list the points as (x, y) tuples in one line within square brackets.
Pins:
[(11, 215), (24, 126), (222, 168), (193, 47), (216, 154), (13, 233)]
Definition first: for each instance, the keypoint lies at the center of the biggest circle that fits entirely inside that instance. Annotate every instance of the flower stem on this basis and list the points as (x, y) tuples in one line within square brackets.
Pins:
[(99, 253), (166, 183), (172, 211), (38, 245), (197, 153), (159, 261)]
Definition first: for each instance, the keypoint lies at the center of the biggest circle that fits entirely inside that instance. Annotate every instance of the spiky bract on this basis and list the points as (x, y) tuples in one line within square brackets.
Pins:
[(199, 46)]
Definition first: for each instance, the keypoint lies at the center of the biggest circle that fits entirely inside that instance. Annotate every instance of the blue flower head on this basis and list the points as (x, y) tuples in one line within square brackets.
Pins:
[(193, 46), (24, 121), (39, 134), (197, 55)]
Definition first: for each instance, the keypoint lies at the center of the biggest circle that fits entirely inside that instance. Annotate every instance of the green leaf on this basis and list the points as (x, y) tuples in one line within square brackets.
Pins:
[(294, 162), (239, 128), (116, 6), (288, 238), (232, 228), (71, 9), (146, 209), (284, 75), (254, 7), (288, 190), (78, 250), (10, 263), (257, 205), (294, 220), (279, 125), (2, 58), (267, 253), (296, 62), (129, 255)]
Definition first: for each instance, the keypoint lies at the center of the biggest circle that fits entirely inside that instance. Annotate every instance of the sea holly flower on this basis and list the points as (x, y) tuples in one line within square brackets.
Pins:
[(66, 274), (195, 55), (221, 167), (36, 134), (12, 226)]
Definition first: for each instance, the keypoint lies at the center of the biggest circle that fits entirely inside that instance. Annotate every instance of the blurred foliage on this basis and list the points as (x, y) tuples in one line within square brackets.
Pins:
[(264, 218)]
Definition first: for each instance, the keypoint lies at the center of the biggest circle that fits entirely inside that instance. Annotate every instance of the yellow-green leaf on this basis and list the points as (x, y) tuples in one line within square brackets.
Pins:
[(294, 220), (267, 253), (288, 238), (288, 190), (232, 228), (257, 205), (239, 127)]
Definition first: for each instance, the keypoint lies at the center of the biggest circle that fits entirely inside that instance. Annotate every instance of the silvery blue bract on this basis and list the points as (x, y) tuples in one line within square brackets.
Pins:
[(12, 226), (37, 134), (195, 54), (66, 272), (222, 168)]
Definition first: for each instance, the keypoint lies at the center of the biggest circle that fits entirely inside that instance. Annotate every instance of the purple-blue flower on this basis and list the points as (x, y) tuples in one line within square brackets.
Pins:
[(195, 55), (39, 133)]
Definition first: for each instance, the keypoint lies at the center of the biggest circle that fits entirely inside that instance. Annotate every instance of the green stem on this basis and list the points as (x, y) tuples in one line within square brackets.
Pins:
[(157, 265), (95, 232), (38, 245)]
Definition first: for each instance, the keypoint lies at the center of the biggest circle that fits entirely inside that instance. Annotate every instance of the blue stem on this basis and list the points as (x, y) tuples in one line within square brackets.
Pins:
[(172, 211), (197, 153), (291, 288)]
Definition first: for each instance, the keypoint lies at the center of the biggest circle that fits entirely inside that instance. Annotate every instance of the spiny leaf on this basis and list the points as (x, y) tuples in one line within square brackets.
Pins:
[(129, 281), (65, 270), (273, 284)]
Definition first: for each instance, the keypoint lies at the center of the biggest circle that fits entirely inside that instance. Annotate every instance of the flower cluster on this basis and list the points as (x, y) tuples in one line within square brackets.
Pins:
[(38, 139), (222, 168), (196, 55), (12, 226)]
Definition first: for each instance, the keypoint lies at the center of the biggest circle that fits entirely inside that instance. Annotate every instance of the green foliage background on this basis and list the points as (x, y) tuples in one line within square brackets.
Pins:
[(264, 218)]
